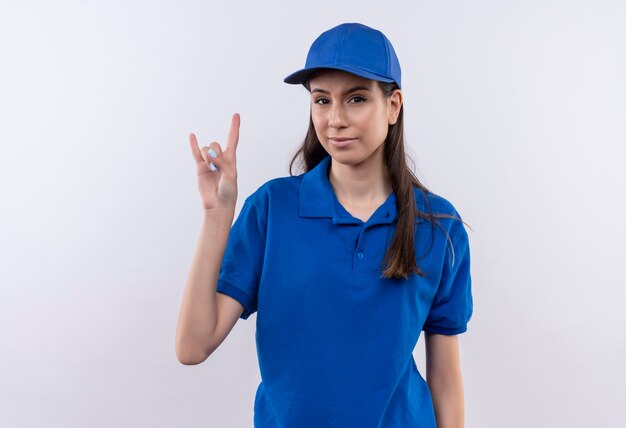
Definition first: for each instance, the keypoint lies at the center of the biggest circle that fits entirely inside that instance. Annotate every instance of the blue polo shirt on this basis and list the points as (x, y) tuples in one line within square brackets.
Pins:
[(334, 340)]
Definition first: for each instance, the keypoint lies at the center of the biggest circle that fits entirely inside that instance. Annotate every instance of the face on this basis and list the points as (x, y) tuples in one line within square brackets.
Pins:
[(348, 107)]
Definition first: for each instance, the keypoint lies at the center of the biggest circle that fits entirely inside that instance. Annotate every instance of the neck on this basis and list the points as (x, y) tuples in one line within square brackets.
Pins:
[(363, 184)]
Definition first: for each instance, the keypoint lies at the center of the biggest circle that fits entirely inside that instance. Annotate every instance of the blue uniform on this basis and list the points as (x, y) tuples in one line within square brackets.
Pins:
[(334, 340)]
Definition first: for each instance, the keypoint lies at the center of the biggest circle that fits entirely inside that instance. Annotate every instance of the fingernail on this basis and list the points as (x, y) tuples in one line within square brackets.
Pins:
[(212, 166), (212, 153)]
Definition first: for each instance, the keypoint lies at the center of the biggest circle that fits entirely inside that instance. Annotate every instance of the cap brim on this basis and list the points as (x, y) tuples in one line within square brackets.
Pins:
[(304, 74)]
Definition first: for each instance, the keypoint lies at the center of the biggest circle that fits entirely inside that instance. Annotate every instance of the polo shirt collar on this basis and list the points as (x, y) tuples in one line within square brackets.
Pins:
[(318, 199)]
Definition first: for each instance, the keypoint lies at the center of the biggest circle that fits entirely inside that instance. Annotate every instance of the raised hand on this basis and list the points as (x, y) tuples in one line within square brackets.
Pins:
[(218, 184)]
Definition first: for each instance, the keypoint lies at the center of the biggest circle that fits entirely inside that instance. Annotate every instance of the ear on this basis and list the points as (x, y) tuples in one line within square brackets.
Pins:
[(394, 102)]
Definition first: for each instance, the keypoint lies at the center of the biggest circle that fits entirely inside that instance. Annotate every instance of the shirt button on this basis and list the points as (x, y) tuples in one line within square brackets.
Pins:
[(360, 255), (387, 215)]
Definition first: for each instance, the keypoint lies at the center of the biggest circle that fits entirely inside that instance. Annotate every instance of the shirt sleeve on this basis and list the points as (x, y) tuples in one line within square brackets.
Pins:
[(242, 264), (452, 306)]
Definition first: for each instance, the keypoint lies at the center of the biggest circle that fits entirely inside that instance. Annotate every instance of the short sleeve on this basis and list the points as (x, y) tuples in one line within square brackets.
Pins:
[(452, 306), (242, 264)]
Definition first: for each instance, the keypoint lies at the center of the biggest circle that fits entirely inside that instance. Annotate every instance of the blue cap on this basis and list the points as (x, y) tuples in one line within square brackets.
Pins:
[(355, 48)]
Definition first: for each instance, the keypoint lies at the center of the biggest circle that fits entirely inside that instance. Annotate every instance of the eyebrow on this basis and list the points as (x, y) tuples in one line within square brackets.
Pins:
[(355, 88)]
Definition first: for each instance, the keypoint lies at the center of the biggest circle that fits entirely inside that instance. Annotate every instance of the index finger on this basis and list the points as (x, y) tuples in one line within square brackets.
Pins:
[(233, 133), (195, 150)]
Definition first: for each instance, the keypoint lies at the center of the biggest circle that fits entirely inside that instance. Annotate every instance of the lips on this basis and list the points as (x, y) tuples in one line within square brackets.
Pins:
[(341, 142)]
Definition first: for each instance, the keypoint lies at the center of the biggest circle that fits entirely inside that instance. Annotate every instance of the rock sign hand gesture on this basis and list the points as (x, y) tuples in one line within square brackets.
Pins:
[(218, 184)]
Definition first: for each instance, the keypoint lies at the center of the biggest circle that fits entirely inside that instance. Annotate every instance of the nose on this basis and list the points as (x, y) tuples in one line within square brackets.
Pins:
[(337, 117)]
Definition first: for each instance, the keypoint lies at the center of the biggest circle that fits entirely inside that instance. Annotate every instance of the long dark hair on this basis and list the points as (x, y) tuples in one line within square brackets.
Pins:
[(399, 261)]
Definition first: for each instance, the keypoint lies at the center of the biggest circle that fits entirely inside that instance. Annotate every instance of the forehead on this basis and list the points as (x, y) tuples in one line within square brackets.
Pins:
[(329, 78)]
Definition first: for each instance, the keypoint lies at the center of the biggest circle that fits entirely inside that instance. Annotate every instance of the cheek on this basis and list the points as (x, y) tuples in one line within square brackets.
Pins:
[(379, 128), (318, 126), (373, 116), (376, 122), (317, 120)]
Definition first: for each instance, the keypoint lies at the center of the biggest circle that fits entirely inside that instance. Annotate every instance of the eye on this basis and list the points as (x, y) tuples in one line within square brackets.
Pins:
[(356, 97)]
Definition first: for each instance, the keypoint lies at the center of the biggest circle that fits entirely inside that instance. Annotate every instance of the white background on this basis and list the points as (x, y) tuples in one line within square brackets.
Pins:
[(515, 111)]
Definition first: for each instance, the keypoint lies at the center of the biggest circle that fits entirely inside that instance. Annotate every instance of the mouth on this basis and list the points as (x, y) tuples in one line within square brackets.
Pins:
[(341, 142)]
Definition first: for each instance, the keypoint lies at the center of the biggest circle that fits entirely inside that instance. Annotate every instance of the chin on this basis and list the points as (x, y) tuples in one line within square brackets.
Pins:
[(351, 159)]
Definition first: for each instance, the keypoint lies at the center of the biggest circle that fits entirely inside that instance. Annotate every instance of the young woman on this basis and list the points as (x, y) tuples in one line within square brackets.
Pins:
[(344, 264)]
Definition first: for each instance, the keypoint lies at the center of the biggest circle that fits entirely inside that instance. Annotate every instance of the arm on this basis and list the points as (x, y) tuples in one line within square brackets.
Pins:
[(206, 317), (443, 375)]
